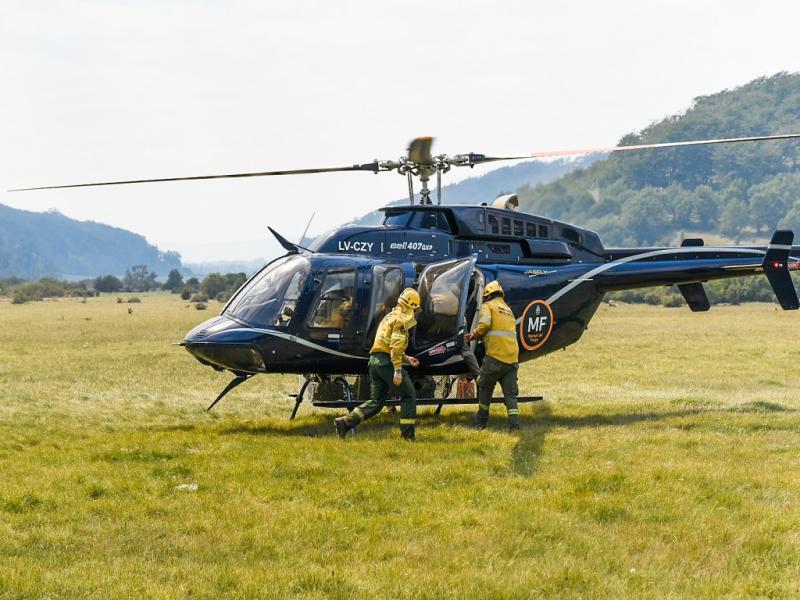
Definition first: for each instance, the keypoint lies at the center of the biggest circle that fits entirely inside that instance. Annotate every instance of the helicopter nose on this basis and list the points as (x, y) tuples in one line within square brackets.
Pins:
[(224, 344)]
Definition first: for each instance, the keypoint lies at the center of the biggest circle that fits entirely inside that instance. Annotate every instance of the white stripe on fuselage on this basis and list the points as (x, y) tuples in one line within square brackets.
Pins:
[(301, 341)]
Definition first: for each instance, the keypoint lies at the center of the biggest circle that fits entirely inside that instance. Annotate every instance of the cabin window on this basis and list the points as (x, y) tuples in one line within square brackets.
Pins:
[(530, 229), (387, 283), (334, 308), (518, 228), (399, 219), (506, 229), (570, 234), (543, 232), (428, 219), (494, 224), (500, 248)]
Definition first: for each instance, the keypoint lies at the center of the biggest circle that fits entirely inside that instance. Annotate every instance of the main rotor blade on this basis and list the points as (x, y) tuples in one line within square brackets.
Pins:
[(577, 151), (374, 167), (419, 151)]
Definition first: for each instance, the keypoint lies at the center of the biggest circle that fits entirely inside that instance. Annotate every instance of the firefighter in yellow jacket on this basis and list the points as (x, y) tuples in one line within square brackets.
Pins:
[(386, 370), (497, 328)]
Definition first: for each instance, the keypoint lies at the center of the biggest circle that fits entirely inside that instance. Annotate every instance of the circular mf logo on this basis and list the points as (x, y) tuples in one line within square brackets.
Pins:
[(536, 324)]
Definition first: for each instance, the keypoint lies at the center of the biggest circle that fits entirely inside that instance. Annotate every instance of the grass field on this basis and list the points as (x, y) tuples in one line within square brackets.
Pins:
[(663, 463)]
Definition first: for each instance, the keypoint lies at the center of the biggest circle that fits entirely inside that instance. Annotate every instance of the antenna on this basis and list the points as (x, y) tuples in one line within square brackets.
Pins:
[(305, 231)]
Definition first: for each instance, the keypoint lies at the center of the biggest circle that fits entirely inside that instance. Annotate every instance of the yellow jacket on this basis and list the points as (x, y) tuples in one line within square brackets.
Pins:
[(392, 335), (498, 328)]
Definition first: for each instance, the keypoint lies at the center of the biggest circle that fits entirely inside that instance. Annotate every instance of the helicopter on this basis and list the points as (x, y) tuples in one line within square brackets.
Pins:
[(314, 311)]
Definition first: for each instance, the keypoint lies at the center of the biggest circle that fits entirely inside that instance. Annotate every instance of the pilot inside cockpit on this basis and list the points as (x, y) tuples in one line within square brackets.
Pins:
[(335, 307)]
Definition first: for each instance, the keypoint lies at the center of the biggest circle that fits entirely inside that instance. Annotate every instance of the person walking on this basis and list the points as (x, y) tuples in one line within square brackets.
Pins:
[(386, 370), (497, 328)]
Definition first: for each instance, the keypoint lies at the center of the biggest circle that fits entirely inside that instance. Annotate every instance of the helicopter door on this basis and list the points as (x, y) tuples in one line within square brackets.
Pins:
[(443, 288), (331, 319), (387, 283)]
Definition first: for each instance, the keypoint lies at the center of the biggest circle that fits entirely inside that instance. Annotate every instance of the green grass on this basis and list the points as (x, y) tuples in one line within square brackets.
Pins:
[(663, 463)]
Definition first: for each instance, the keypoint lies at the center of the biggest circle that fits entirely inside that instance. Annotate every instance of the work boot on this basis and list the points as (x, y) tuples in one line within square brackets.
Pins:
[(341, 426), (513, 427), (407, 431), (477, 421)]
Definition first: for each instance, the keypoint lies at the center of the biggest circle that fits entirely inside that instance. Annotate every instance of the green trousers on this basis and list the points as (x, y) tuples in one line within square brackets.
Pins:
[(381, 375), (493, 372)]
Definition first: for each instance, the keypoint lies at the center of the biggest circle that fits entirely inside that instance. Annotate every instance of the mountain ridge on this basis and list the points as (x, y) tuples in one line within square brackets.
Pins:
[(50, 244)]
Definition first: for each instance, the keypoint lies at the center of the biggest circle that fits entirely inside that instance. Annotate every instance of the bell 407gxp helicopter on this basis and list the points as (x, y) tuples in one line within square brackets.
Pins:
[(314, 311)]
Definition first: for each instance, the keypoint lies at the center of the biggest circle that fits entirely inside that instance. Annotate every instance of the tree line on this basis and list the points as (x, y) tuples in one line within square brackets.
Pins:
[(139, 278)]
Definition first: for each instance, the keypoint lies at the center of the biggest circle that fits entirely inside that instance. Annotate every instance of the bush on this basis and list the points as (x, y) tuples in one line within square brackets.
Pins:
[(672, 300), (186, 293), (108, 283), (223, 297), (199, 297), (134, 300), (214, 284), (201, 306)]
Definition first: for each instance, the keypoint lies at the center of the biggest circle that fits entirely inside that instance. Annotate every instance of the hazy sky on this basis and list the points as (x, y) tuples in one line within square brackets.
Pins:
[(100, 90)]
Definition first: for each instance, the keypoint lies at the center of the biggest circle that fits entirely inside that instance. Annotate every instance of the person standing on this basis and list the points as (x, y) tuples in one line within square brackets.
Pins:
[(386, 370), (497, 328)]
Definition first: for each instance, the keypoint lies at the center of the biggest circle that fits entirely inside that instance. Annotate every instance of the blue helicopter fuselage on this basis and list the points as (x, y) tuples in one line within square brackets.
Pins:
[(317, 311)]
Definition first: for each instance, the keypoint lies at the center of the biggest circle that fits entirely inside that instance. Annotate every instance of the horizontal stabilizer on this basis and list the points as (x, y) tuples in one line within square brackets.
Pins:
[(776, 267), (695, 296)]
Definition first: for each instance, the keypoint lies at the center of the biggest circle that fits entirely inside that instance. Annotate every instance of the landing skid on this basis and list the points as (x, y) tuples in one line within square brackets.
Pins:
[(425, 402), (350, 403)]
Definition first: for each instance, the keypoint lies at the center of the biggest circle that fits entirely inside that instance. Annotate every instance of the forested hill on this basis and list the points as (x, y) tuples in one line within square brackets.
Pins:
[(736, 191), (34, 245)]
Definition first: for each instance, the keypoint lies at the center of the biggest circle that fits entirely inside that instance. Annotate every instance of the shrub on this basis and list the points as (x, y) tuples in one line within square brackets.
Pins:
[(186, 293), (134, 300), (199, 297), (107, 283), (119, 300), (201, 306), (672, 300), (214, 284), (223, 297)]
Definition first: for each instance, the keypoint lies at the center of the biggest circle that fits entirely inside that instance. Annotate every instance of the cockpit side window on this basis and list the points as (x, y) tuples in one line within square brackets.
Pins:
[(269, 298), (334, 308), (427, 219), (387, 283)]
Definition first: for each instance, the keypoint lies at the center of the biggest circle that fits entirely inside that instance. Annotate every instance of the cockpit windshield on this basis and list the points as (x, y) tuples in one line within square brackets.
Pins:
[(269, 299)]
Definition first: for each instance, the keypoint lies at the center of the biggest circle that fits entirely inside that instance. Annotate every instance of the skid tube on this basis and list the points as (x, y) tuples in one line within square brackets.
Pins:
[(422, 402)]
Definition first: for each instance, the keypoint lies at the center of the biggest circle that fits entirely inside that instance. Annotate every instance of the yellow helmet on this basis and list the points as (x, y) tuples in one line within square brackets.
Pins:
[(409, 298), (491, 288)]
